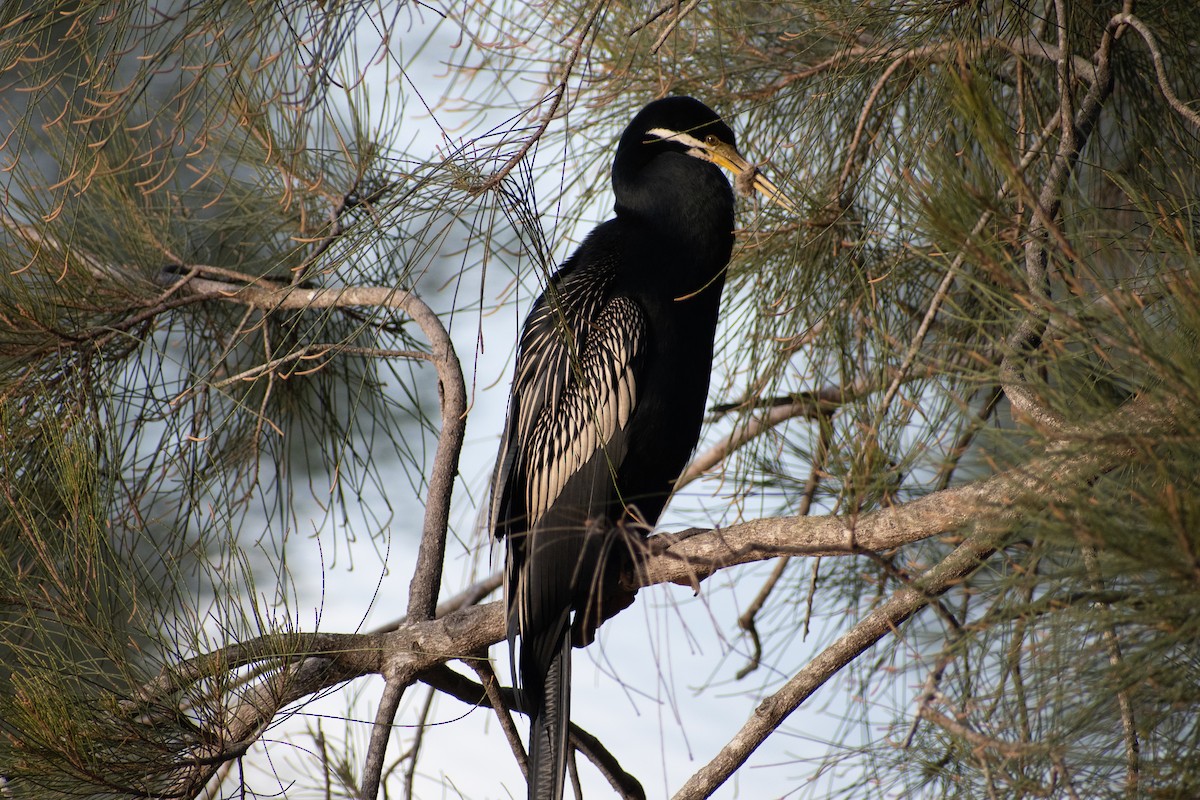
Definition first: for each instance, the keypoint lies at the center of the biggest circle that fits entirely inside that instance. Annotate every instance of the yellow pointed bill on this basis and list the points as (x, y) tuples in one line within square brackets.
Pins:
[(747, 176)]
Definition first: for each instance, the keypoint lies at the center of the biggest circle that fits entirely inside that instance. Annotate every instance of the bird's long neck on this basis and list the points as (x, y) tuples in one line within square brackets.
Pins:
[(687, 204)]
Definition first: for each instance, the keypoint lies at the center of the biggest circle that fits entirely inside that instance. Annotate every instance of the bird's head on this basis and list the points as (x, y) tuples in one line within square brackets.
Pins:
[(685, 125)]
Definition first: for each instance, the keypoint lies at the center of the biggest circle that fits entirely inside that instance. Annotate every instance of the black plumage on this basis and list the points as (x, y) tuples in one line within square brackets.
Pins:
[(608, 397)]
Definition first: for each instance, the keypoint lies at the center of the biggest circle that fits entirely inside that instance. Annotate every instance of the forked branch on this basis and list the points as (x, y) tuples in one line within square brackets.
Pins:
[(427, 576)]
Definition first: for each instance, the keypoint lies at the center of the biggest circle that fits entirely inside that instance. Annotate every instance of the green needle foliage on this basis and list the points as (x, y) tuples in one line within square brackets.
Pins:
[(993, 271)]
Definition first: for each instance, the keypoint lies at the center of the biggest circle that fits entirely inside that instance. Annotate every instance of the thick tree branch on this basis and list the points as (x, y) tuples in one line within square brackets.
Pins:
[(691, 556), (401, 656), (996, 503), (683, 558)]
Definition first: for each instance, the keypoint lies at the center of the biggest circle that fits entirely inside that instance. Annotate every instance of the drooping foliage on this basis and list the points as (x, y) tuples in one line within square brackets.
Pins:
[(995, 266)]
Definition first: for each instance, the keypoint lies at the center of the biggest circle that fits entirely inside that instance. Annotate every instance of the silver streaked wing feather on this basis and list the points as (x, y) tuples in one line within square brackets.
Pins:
[(584, 416)]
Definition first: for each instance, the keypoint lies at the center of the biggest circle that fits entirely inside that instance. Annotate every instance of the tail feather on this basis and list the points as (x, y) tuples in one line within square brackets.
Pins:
[(548, 729)]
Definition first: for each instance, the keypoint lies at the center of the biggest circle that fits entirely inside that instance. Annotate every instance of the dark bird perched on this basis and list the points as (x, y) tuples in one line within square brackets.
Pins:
[(608, 398)]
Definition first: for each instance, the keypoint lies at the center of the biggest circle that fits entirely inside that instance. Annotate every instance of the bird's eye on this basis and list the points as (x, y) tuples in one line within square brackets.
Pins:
[(711, 140)]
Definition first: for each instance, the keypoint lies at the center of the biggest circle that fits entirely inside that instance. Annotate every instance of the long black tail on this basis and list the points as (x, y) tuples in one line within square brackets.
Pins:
[(548, 728)]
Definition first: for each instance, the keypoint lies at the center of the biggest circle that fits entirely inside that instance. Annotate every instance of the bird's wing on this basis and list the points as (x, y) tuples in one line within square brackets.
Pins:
[(573, 395), (574, 390), (579, 425)]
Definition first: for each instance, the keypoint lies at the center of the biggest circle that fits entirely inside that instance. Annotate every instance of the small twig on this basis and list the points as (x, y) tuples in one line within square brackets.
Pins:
[(856, 140), (491, 686), (337, 226), (664, 8), (573, 773), (943, 289), (673, 24), (1074, 133), (323, 757), (317, 351), (559, 91), (1068, 784), (1023, 47), (979, 740), (470, 596), (928, 691), (452, 683), (626, 786), (1128, 722), (809, 405), (1160, 70), (747, 620), (745, 433), (960, 446)]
